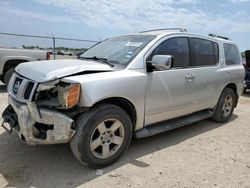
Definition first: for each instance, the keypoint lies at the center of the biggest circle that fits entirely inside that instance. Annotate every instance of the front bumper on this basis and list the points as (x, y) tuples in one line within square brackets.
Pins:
[(55, 127)]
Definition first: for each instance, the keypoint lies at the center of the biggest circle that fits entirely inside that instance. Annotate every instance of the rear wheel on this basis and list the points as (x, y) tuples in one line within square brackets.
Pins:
[(102, 135), (225, 106)]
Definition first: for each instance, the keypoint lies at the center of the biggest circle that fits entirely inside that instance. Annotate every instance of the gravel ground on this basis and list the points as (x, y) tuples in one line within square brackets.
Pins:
[(204, 154)]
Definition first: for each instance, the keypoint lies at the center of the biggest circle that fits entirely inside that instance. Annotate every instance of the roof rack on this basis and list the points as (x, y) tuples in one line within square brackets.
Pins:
[(218, 36), (165, 29)]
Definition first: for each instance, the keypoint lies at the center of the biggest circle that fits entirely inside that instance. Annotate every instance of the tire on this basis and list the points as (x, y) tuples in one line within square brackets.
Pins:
[(94, 143), (225, 106), (7, 75)]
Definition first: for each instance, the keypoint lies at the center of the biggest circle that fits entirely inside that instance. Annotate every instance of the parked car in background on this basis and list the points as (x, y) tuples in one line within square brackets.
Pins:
[(64, 52), (79, 53), (247, 69), (10, 58), (134, 85)]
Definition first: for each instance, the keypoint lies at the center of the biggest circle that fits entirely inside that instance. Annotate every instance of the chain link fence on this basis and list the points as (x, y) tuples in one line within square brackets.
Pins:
[(52, 43)]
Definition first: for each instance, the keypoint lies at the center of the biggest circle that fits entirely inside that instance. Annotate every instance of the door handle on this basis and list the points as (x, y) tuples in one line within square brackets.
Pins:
[(190, 77)]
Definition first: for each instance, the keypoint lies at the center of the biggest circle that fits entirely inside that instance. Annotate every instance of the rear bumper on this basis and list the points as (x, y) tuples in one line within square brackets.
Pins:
[(41, 125)]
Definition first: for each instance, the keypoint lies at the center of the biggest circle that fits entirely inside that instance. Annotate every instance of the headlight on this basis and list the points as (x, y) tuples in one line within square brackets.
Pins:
[(68, 96)]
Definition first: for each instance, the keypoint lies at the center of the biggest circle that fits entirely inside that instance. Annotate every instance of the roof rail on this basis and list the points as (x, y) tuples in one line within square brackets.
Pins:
[(218, 36), (165, 29)]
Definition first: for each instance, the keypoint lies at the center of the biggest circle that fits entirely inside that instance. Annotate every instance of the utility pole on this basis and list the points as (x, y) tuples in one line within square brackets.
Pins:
[(54, 46)]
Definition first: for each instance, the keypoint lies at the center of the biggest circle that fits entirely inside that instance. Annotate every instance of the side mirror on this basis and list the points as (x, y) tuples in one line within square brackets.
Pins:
[(161, 62)]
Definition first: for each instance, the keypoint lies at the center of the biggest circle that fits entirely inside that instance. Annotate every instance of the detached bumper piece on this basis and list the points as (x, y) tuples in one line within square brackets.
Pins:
[(37, 125), (9, 116)]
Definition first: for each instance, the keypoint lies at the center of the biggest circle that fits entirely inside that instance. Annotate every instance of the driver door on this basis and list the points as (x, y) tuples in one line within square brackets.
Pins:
[(169, 93)]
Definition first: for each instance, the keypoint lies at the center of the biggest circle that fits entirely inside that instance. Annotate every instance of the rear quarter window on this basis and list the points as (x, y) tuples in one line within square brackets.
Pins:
[(232, 55)]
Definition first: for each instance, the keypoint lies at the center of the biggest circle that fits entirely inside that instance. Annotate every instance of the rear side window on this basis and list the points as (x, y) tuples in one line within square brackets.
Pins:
[(231, 54), (203, 52), (177, 47)]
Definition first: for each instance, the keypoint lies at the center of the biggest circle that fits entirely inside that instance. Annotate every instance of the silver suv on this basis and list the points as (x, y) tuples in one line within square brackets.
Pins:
[(134, 85)]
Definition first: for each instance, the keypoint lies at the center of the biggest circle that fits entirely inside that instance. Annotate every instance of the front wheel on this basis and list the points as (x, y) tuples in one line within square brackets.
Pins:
[(102, 135), (225, 106)]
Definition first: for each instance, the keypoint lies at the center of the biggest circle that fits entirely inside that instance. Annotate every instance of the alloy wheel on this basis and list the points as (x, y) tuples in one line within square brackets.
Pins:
[(107, 138), (227, 105)]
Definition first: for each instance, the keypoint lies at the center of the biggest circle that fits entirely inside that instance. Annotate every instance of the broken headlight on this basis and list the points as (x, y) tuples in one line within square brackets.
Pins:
[(68, 94), (61, 95)]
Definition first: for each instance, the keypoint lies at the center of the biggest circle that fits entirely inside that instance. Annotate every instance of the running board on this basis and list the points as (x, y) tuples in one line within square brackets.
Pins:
[(172, 124)]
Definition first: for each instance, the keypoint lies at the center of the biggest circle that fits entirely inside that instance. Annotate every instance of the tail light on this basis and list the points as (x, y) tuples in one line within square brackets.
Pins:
[(48, 56)]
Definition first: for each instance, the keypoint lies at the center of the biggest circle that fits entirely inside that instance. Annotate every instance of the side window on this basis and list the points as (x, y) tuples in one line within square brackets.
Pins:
[(177, 47), (202, 52), (231, 54)]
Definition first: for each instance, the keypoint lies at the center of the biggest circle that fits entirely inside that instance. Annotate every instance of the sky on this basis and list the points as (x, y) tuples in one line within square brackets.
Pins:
[(101, 19)]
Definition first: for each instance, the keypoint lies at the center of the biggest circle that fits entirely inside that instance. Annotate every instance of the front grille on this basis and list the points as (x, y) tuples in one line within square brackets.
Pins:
[(28, 90), (22, 89)]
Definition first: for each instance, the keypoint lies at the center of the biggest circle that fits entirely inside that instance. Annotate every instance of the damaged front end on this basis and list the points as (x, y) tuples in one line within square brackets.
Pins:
[(41, 113)]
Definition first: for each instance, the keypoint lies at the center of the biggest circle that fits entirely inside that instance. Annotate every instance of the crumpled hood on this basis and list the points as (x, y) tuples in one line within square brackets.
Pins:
[(42, 71)]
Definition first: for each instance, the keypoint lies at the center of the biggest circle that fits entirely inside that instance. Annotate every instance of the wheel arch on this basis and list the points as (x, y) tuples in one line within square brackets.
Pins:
[(12, 63), (123, 103)]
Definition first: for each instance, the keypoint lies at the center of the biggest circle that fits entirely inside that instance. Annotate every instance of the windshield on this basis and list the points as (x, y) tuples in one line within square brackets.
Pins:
[(119, 51)]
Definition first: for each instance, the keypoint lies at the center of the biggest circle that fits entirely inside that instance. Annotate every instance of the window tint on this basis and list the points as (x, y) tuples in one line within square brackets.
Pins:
[(231, 54), (202, 52), (177, 47)]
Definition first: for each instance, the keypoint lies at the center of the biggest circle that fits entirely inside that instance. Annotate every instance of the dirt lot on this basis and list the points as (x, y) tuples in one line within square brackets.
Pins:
[(204, 154)]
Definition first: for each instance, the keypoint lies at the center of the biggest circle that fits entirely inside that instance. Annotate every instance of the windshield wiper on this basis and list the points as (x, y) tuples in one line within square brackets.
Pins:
[(104, 60)]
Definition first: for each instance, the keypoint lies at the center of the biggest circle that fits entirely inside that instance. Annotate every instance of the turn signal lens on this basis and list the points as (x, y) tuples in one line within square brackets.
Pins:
[(73, 95)]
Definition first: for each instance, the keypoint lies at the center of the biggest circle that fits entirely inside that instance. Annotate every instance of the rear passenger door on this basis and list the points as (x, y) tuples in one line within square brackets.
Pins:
[(204, 60)]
